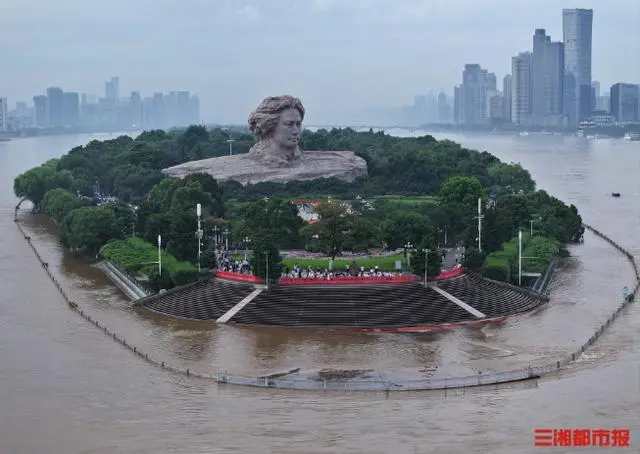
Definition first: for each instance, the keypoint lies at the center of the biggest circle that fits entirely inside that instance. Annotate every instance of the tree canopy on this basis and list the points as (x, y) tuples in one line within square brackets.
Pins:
[(418, 190)]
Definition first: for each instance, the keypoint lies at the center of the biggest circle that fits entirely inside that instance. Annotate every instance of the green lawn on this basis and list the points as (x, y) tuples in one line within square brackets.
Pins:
[(384, 263), (414, 200)]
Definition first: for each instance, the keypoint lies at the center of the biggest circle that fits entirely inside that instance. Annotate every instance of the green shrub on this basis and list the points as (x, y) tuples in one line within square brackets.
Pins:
[(137, 256)]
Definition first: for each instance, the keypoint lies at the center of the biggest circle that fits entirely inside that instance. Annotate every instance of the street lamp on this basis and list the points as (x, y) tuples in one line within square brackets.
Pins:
[(159, 255), (441, 230), (247, 240), (407, 247), (266, 278), (199, 233), (520, 257), (426, 262), (215, 243), (479, 217), (226, 239), (134, 218), (230, 142)]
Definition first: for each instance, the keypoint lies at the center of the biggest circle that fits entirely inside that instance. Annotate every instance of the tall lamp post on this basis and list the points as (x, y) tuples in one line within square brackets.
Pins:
[(230, 142), (159, 255), (479, 217), (226, 239), (199, 233), (266, 278), (215, 243), (247, 240), (520, 257), (407, 247), (426, 263)]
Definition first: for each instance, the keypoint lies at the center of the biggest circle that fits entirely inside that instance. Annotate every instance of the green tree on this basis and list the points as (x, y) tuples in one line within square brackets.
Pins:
[(264, 250), (57, 203), (332, 227), (462, 190), (276, 218), (434, 261), (86, 229), (35, 183)]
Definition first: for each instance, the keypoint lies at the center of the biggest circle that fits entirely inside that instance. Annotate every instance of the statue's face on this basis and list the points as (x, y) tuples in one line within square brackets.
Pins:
[(287, 132)]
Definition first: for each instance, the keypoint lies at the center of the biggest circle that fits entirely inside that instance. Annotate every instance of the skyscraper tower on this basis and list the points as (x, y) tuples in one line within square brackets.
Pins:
[(112, 89), (577, 25)]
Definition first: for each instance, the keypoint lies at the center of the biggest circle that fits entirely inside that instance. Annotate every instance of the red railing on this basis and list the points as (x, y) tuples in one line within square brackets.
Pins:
[(454, 272), (238, 277)]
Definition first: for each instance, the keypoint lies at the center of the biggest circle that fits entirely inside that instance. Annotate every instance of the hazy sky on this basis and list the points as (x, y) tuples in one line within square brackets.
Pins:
[(336, 55)]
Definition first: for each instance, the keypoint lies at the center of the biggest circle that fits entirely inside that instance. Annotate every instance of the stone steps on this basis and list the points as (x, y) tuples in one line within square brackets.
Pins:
[(342, 306), (204, 300), (491, 298), (350, 306)]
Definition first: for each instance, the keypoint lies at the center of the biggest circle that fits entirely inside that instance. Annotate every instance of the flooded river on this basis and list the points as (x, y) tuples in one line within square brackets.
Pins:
[(67, 388)]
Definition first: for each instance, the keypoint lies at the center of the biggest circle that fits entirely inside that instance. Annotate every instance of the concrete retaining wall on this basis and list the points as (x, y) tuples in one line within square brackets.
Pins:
[(361, 385), (122, 281)]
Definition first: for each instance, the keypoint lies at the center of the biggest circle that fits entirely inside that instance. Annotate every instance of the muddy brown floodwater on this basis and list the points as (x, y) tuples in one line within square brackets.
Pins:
[(67, 388)]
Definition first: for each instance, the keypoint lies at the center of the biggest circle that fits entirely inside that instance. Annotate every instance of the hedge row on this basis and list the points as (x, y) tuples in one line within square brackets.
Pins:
[(137, 256), (537, 252)]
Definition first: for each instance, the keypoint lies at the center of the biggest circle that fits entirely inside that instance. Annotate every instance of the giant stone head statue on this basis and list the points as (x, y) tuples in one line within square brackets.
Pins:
[(277, 123)]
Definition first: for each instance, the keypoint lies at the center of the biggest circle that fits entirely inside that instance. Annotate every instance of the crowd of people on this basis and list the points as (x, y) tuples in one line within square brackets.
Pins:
[(230, 265), (350, 271)]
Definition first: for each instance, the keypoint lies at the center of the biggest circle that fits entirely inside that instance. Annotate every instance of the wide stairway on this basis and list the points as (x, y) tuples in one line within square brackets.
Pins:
[(350, 306), (491, 298), (203, 300)]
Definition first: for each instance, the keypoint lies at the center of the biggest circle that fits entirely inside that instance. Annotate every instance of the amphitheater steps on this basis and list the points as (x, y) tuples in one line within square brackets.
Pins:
[(381, 305), (204, 300), (350, 306), (491, 298)]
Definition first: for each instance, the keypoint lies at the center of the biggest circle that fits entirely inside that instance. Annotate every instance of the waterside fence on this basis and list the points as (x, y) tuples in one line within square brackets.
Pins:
[(281, 381)]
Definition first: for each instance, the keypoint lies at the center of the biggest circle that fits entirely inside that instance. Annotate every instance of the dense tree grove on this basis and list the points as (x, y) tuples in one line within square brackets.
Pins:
[(418, 191)]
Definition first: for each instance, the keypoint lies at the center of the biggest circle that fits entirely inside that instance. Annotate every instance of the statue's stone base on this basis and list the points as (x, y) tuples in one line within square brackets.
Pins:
[(253, 168)]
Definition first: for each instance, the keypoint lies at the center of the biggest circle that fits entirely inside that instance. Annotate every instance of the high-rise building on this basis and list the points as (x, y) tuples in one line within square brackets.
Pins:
[(443, 108), (41, 111), (4, 114), (577, 26), (474, 94), (495, 106), (159, 111), (539, 79), (458, 105), (625, 99), (71, 106), (55, 105), (135, 103), (194, 110), (555, 74), (491, 81), (521, 88), (506, 90), (112, 90), (547, 77), (595, 95)]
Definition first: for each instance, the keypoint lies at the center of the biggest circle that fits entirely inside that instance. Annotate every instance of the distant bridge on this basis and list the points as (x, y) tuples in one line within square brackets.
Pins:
[(366, 127)]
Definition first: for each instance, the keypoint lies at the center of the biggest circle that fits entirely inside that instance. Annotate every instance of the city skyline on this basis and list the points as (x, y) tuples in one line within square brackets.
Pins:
[(550, 85), (57, 108), (338, 57)]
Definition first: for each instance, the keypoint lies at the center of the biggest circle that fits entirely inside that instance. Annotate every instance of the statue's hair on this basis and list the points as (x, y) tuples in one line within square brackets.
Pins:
[(263, 121)]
